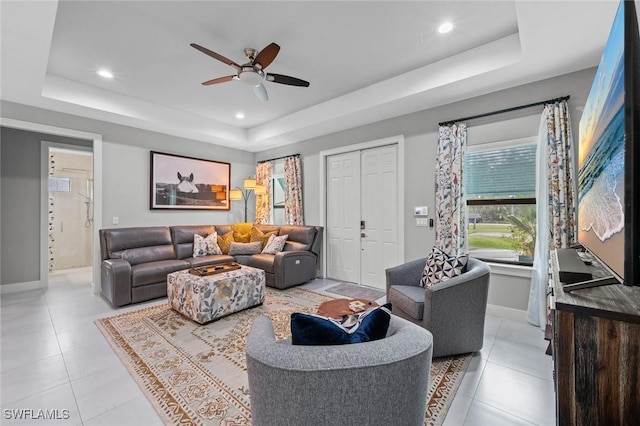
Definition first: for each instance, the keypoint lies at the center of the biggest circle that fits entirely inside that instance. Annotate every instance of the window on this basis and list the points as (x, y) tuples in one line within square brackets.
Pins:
[(277, 193), (278, 200), (501, 204)]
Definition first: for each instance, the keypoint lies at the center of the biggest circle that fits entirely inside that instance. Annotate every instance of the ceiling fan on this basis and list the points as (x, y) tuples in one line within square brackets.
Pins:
[(252, 73)]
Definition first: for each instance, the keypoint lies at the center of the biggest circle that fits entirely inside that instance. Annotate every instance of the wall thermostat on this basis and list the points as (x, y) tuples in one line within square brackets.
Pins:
[(421, 211)]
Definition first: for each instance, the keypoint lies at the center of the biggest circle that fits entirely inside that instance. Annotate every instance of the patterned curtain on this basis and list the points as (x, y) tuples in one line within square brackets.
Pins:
[(451, 217), (264, 171), (555, 195), (293, 213)]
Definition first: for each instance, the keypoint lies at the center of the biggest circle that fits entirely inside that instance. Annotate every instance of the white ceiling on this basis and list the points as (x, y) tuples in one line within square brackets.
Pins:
[(365, 60)]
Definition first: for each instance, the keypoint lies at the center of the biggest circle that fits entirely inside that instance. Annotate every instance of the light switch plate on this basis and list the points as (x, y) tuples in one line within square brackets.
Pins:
[(115, 220), (422, 221)]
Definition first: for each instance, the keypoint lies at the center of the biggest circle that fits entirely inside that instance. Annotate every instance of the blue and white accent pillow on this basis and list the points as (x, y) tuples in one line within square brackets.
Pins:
[(206, 246), (314, 330), (440, 267), (275, 244)]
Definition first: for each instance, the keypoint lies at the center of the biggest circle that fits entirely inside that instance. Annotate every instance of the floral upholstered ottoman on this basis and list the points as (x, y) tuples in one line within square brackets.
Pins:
[(205, 298)]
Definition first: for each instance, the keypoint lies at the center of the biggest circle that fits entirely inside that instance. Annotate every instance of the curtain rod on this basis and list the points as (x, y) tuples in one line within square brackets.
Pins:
[(279, 158), (502, 111)]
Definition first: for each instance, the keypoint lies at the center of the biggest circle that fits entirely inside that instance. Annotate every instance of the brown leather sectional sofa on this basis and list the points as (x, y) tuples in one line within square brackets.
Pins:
[(136, 261)]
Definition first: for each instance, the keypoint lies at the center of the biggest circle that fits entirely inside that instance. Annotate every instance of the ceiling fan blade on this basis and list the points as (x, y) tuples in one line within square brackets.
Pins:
[(219, 80), (285, 79), (261, 92), (216, 56), (266, 56)]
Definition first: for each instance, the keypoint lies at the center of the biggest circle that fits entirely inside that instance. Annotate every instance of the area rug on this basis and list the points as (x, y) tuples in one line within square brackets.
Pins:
[(356, 291), (197, 375)]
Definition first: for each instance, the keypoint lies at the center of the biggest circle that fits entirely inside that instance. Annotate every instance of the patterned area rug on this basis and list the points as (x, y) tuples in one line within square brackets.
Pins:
[(197, 375), (356, 291)]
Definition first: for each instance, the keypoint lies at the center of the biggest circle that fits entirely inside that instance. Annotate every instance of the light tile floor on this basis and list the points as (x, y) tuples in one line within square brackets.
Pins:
[(54, 357)]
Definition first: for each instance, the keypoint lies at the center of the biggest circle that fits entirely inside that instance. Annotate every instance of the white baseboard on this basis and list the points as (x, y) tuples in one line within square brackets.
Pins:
[(507, 313), (18, 287)]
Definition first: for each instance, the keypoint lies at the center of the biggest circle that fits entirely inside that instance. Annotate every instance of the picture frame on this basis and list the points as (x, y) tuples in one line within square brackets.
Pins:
[(178, 182)]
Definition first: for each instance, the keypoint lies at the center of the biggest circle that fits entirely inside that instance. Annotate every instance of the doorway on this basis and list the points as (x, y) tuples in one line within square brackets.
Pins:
[(70, 209), (364, 225)]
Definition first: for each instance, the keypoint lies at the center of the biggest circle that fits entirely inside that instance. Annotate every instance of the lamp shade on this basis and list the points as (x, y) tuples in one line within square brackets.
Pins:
[(260, 189), (249, 183), (235, 194)]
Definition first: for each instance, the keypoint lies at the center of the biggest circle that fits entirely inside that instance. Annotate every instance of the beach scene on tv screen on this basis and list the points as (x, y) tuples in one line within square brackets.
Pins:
[(601, 156)]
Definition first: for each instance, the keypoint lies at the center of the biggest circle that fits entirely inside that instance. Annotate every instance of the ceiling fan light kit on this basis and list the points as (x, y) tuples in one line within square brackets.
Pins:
[(251, 74)]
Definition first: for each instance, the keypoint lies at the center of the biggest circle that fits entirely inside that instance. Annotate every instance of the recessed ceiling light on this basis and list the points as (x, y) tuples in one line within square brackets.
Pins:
[(445, 28), (105, 73), (239, 115)]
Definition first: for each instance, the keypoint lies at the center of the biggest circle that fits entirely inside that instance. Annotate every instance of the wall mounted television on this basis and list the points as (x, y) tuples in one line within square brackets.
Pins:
[(609, 155)]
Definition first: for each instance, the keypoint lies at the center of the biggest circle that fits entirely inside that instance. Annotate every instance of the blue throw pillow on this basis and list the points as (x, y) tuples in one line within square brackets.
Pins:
[(310, 329)]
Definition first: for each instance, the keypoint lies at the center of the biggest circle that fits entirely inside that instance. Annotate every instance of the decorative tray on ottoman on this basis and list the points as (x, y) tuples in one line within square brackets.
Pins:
[(214, 269)]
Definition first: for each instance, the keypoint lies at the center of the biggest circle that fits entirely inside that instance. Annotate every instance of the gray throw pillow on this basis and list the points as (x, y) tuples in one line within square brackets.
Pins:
[(245, 248)]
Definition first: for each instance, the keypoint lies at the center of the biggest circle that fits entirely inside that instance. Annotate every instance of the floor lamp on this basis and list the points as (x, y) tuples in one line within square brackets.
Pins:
[(243, 194)]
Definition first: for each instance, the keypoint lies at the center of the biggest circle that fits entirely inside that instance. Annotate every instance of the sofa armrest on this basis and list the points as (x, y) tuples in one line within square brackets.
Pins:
[(294, 267), (116, 281), (406, 274)]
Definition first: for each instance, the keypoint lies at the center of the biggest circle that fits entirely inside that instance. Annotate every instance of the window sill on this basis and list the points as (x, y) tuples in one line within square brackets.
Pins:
[(522, 271)]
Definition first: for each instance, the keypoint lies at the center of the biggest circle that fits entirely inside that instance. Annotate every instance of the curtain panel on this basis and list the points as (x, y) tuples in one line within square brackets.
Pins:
[(264, 172), (555, 195), (293, 210), (451, 217)]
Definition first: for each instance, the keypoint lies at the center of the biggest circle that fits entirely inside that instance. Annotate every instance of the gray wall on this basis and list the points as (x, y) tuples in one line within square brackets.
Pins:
[(420, 132), (20, 218), (126, 162), (125, 182)]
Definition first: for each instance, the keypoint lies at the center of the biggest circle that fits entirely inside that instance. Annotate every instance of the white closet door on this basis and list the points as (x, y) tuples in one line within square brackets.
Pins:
[(379, 212), (343, 217)]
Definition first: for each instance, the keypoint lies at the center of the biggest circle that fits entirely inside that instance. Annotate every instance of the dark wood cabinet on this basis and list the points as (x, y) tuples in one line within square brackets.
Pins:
[(596, 352)]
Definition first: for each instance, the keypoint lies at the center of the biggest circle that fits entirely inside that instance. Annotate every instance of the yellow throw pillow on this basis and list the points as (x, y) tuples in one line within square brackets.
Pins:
[(242, 232), (258, 235), (224, 242)]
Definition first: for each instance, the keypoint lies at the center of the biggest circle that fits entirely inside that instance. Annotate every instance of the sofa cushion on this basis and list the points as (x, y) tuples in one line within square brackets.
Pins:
[(293, 246), (262, 261), (300, 233), (185, 233), (223, 229), (370, 325), (275, 244), (208, 260), (245, 248), (263, 237), (205, 246), (441, 266), (408, 298), (224, 242), (145, 254), (154, 272)]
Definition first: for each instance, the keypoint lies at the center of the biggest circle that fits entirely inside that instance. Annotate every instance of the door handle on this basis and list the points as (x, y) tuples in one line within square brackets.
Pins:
[(363, 235)]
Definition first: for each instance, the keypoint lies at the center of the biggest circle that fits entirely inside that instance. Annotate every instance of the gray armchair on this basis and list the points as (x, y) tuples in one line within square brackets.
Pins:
[(382, 382), (452, 310)]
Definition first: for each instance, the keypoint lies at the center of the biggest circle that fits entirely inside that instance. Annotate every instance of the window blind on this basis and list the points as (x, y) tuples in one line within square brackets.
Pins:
[(501, 173)]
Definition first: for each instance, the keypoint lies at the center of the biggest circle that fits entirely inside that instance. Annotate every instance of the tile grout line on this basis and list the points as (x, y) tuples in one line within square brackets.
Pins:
[(64, 361)]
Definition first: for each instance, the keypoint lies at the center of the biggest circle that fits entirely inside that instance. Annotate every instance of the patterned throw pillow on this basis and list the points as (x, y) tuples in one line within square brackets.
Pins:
[(258, 235), (441, 267), (224, 242), (370, 325), (245, 248), (275, 244), (205, 246)]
